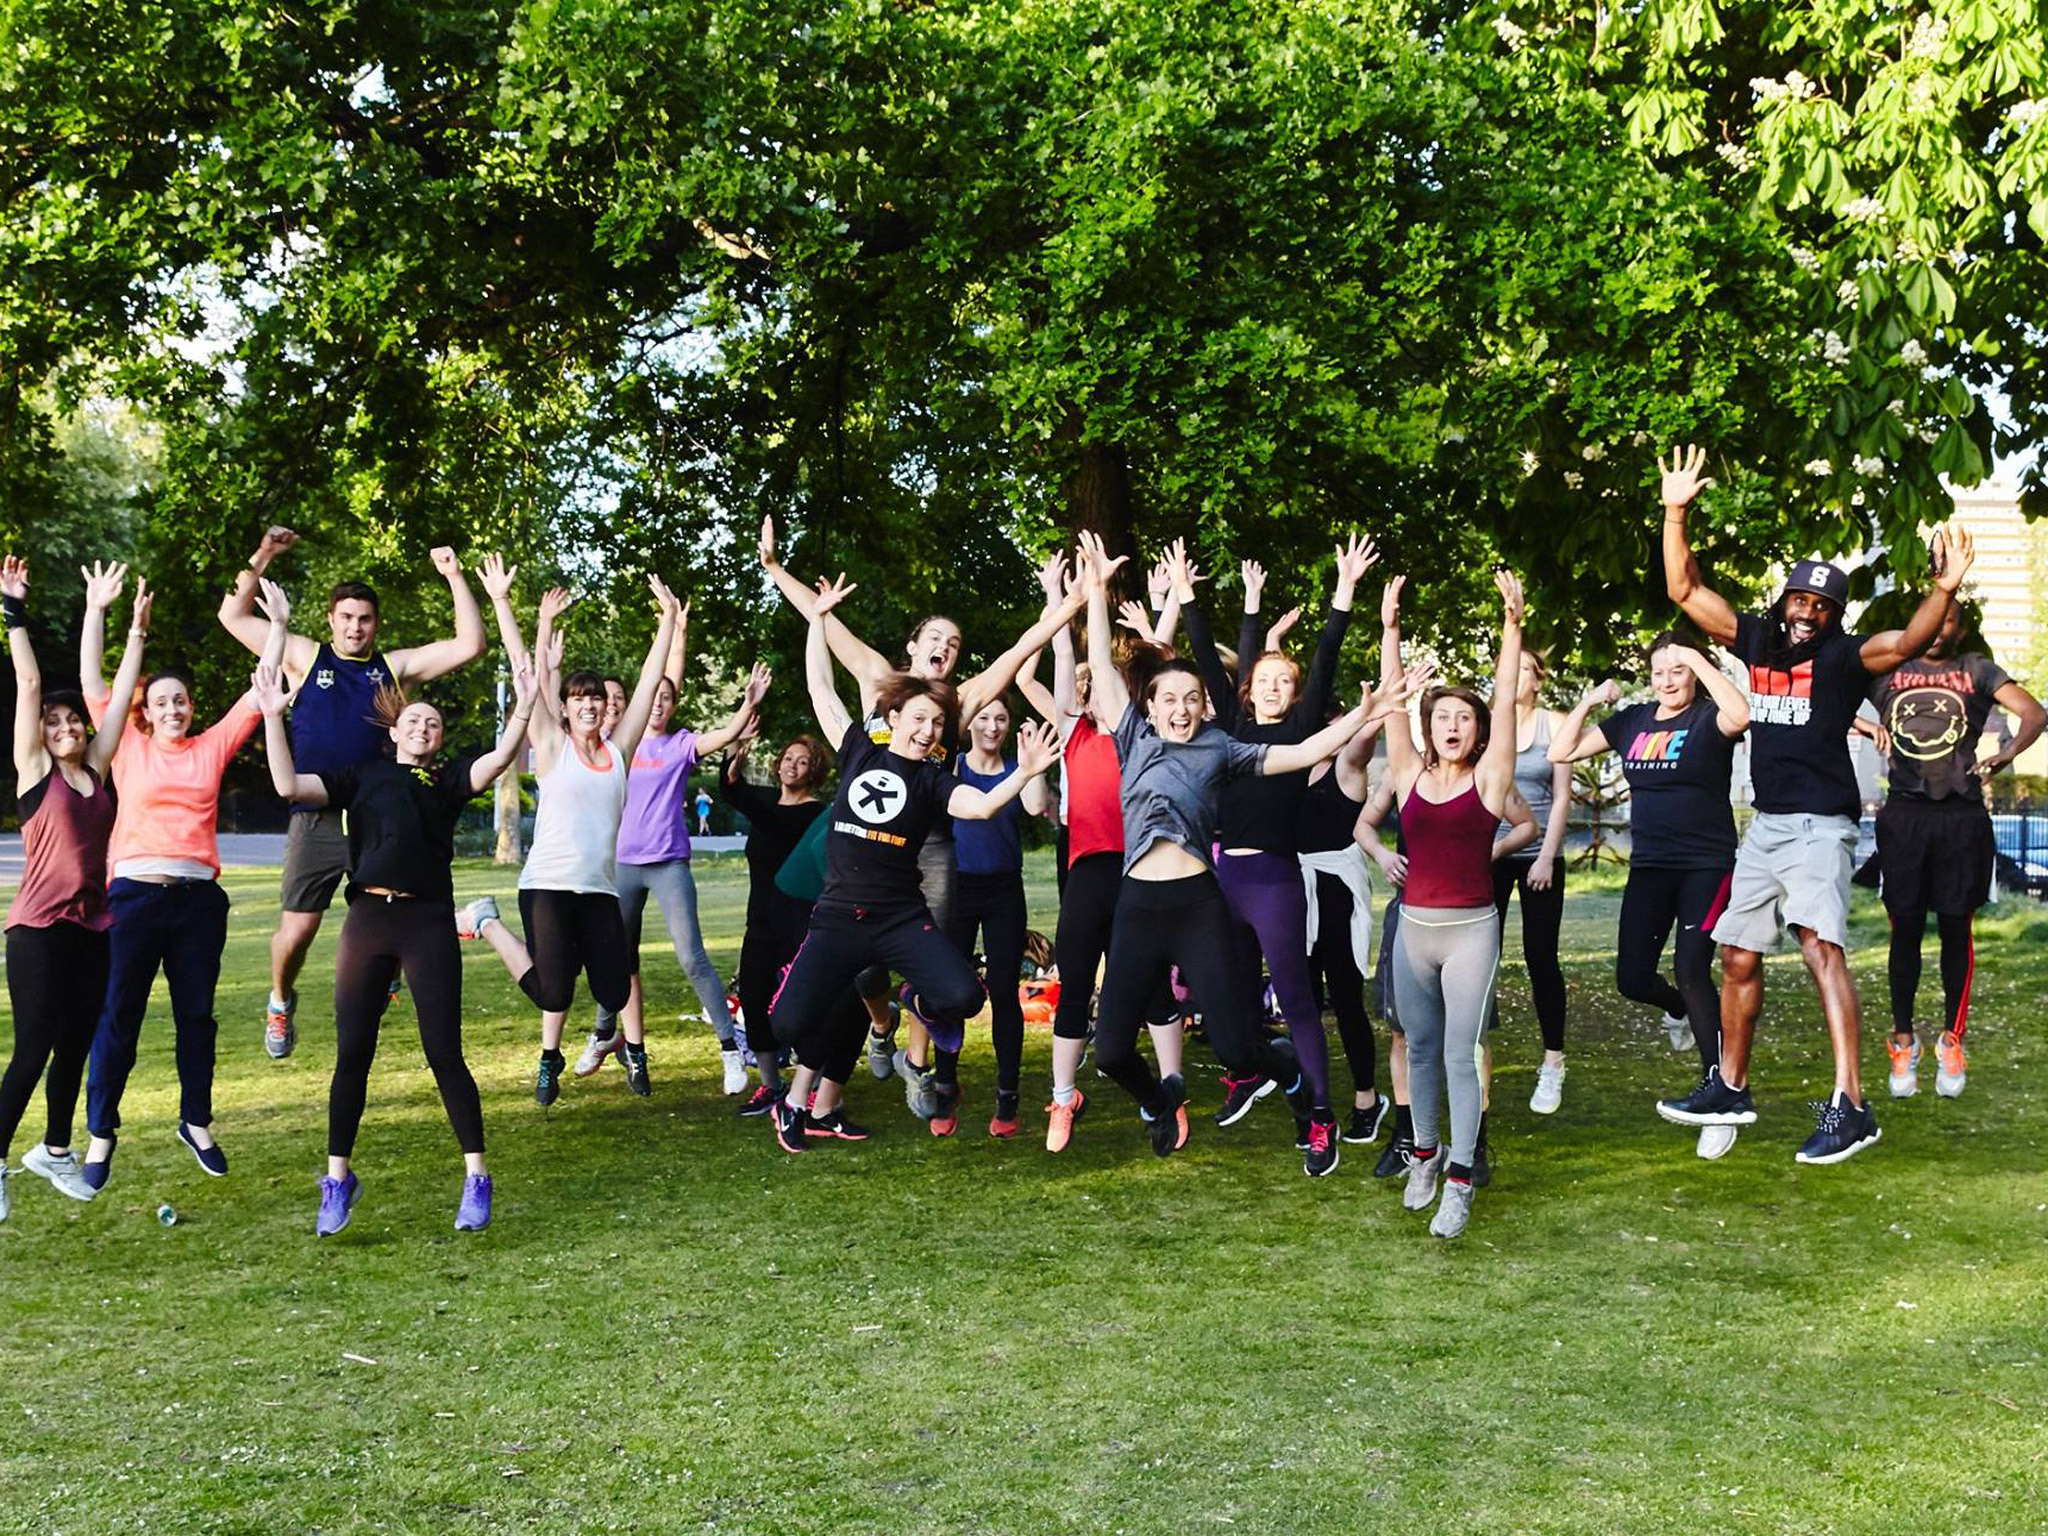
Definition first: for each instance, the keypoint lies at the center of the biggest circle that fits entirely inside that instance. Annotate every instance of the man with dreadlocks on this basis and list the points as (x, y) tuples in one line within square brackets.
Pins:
[(1807, 675)]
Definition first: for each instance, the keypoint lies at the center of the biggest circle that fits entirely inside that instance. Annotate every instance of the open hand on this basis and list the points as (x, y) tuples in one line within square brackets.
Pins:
[(1281, 626), (554, 602), (1681, 480), (757, 684), (1254, 575), (103, 584), (14, 577), (1510, 586), (1390, 602), (768, 543), (831, 594), (267, 684), (1038, 748), (1354, 559), (497, 577), (1954, 551), (270, 598), (138, 616)]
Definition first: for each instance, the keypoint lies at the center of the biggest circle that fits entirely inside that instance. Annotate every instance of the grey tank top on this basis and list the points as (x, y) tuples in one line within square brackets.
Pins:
[(1532, 778)]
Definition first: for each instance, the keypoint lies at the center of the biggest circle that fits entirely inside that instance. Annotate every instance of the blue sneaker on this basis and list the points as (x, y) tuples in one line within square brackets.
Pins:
[(474, 1214), (97, 1174), (1840, 1131), (337, 1199), (212, 1159)]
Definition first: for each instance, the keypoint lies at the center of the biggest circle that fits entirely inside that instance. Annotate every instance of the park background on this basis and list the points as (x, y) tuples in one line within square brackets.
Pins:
[(937, 286)]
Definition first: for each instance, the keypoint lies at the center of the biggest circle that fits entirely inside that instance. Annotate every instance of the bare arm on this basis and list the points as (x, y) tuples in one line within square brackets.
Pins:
[(988, 684), (1366, 833), (1953, 554), (102, 585), (868, 665), (1731, 704), (1403, 761), (525, 693), (238, 614), (267, 688), (31, 760), (1107, 696), (1038, 748), (546, 728), (833, 719), (114, 723), (1374, 706), (437, 658), (1495, 775), (713, 742), (1521, 822), (1544, 870), (1574, 740), (678, 653), (1681, 482), (2015, 700), (633, 719), (497, 578)]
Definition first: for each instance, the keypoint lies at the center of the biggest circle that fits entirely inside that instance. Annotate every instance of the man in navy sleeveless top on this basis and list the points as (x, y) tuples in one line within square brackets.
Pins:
[(337, 681)]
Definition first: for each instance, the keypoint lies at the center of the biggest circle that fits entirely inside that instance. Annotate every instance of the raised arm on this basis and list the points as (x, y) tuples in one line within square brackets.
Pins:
[(633, 719), (238, 614), (99, 754), (994, 680), (31, 760), (1953, 553), (546, 730), (497, 578), (437, 658), (1575, 740), (267, 688), (1403, 761), (711, 742), (1680, 483), (1373, 707), (826, 704), (678, 653), (1038, 748), (525, 692), (868, 665), (1107, 696), (102, 585), (1354, 558), (1216, 679), (1495, 775), (1731, 704)]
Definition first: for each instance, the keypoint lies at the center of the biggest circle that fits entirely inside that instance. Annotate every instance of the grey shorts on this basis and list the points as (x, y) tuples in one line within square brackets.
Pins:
[(1791, 871), (315, 859)]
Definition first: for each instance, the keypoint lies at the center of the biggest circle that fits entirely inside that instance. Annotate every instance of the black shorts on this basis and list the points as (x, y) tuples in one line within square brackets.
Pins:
[(1934, 855)]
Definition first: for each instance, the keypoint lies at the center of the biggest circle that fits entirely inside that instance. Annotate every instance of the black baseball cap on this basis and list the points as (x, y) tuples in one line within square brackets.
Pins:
[(1821, 579)]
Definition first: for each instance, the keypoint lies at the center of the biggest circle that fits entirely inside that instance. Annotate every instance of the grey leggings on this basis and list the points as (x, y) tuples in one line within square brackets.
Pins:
[(671, 884), (1444, 964)]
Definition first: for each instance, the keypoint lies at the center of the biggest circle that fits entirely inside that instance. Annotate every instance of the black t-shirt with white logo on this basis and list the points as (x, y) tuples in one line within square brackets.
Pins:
[(885, 808), (1799, 763), (1677, 771), (401, 823), (946, 754), (1935, 711)]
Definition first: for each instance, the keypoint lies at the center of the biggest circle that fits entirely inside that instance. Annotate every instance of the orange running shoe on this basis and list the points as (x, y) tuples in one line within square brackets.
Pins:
[(1905, 1080), (1952, 1065), (1059, 1121), (1003, 1123), (946, 1118)]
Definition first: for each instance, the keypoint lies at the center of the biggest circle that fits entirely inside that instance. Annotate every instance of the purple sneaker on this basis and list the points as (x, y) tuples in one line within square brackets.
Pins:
[(475, 1212), (337, 1199)]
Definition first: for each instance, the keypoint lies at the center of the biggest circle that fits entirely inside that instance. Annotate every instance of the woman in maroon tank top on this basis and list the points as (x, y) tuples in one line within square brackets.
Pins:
[(57, 926), (1453, 790)]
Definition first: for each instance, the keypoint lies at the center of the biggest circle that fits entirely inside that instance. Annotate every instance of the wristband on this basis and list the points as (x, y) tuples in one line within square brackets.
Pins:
[(13, 610)]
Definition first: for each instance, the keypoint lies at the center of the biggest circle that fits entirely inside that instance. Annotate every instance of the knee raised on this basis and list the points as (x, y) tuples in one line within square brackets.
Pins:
[(962, 1001)]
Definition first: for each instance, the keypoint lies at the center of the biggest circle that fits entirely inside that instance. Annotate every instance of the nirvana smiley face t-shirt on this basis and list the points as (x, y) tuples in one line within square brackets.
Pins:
[(884, 810), (1935, 711), (1677, 771)]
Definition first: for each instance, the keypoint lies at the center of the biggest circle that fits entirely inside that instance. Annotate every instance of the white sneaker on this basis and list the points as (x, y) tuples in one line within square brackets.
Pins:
[(600, 1046), (1715, 1140), (735, 1070), (60, 1169), (1454, 1210), (470, 920), (1549, 1089), (1679, 1029), (6, 1173), (1423, 1173), (1951, 1066), (1904, 1079)]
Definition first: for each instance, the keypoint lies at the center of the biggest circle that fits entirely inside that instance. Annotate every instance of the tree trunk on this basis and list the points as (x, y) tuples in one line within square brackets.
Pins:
[(1098, 496)]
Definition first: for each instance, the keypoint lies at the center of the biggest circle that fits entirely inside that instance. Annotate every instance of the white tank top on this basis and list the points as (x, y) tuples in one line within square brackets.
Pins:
[(576, 830)]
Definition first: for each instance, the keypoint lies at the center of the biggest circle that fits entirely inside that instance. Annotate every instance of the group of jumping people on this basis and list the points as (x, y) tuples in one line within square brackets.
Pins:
[(1217, 818)]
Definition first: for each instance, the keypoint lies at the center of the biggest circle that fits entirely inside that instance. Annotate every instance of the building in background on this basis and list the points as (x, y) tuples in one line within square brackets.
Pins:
[(2010, 583)]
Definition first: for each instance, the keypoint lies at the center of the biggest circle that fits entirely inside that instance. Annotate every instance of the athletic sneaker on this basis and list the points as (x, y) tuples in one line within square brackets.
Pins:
[(1678, 1029), (280, 1034), (833, 1123), (1322, 1148), (735, 1069), (61, 1169), (1454, 1210), (338, 1199), (920, 1085), (470, 920), (1059, 1121), (600, 1046), (1905, 1078), (1715, 1140), (881, 1055), (1951, 1066), (1301, 1133), (211, 1159), (1713, 1102), (1423, 1173), (758, 1103), (1240, 1094), (1395, 1158), (634, 1058), (547, 1082), (1549, 1093), (1840, 1131), (1003, 1123), (6, 1208), (1169, 1130), (474, 1213), (946, 1113), (96, 1174), (1365, 1123), (789, 1127)]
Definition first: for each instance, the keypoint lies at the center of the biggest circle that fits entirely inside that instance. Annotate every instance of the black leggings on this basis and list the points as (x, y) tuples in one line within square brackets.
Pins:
[(1186, 922), (995, 905), (1651, 903), (56, 981), (1958, 967), (1087, 916), (380, 939), (1339, 983), (808, 1010), (1542, 916), (572, 931)]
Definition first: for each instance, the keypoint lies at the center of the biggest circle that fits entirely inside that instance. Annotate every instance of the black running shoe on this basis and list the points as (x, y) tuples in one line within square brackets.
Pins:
[(1320, 1157), (758, 1103), (833, 1123), (1240, 1094), (1365, 1123), (1840, 1131), (547, 1082), (789, 1128), (635, 1058), (1395, 1159), (1169, 1127), (1713, 1102)]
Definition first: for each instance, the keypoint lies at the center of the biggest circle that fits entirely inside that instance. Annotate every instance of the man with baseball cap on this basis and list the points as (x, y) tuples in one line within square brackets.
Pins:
[(1807, 676)]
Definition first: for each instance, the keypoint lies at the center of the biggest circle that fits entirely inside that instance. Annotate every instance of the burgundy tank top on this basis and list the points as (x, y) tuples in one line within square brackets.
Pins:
[(64, 838), (1450, 850)]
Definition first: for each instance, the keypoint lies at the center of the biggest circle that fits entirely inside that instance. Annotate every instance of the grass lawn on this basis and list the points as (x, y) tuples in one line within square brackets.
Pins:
[(674, 1326)]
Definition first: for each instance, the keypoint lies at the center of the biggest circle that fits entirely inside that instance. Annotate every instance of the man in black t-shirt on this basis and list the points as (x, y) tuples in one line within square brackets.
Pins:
[(1934, 844), (1807, 677)]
